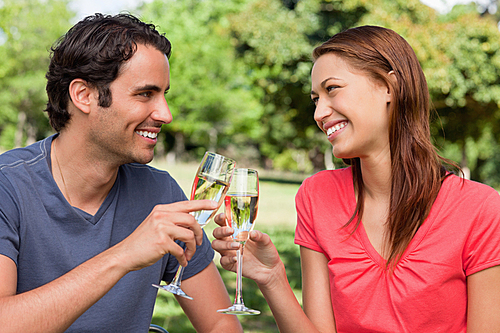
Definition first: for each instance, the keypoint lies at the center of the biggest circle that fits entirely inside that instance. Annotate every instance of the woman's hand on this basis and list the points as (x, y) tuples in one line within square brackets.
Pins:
[(261, 259)]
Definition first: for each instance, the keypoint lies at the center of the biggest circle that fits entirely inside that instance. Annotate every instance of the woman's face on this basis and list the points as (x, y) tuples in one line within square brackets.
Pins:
[(351, 108)]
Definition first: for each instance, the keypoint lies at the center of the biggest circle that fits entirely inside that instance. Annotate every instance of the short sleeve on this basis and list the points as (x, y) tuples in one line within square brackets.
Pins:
[(9, 220), (482, 248), (305, 234)]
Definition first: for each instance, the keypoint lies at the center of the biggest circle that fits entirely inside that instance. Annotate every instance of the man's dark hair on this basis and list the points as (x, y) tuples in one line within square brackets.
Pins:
[(94, 50)]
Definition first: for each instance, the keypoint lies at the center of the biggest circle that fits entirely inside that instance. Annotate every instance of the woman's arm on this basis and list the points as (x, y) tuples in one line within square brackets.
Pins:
[(264, 266), (316, 296), (483, 294)]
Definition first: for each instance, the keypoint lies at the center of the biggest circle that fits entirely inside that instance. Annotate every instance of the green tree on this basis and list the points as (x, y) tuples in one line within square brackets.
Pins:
[(272, 39), (214, 104), (467, 97), (458, 52), (240, 74), (27, 30)]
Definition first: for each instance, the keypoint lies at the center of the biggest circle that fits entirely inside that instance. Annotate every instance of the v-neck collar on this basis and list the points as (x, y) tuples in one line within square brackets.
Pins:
[(93, 219), (417, 238)]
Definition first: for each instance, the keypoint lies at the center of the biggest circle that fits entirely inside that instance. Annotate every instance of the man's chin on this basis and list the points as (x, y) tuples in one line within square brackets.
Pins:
[(144, 159)]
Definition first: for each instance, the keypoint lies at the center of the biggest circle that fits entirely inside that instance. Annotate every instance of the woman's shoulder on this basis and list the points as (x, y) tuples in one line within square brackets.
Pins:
[(467, 194), (343, 175), (465, 187), (327, 183)]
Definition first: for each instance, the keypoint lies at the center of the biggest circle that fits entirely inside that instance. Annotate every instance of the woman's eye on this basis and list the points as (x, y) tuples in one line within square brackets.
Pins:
[(331, 88), (314, 100)]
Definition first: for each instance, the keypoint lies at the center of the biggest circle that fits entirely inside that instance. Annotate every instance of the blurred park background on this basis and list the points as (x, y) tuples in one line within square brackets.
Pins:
[(240, 86)]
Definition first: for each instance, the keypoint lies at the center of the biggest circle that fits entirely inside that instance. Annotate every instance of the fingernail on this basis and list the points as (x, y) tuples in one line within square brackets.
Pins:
[(235, 245)]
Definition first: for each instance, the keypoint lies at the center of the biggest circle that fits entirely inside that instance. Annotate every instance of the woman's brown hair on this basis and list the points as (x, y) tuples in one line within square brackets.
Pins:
[(417, 169)]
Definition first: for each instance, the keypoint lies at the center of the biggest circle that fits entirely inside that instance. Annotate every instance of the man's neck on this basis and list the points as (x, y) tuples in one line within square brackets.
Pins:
[(84, 181)]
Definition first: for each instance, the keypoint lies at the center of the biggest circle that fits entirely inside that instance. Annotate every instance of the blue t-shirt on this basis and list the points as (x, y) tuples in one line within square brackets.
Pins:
[(46, 237)]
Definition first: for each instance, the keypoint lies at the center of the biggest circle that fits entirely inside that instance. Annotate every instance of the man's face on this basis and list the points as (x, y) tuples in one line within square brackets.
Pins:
[(127, 130)]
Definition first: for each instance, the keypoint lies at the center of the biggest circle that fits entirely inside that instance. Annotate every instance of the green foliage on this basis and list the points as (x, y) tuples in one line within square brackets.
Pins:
[(240, 74), (27, 30), (273, 41), (211, 98)]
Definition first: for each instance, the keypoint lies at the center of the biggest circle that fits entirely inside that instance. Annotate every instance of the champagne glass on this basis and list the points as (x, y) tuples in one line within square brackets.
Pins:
[(211, 182), (241, 203)]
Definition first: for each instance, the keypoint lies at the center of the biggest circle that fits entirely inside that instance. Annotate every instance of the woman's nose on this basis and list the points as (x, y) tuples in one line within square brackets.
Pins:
[(323, 109)]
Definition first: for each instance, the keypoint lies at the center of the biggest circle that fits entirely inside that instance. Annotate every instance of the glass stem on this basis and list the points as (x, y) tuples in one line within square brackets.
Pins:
[(238, 299), (178, 276)]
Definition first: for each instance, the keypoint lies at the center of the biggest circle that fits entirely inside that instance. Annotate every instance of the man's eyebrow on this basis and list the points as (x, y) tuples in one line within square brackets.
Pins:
[(148, 87)]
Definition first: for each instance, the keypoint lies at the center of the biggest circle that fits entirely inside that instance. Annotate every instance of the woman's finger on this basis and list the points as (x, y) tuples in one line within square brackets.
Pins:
[(222, 245), (220, 219), (222, 232)]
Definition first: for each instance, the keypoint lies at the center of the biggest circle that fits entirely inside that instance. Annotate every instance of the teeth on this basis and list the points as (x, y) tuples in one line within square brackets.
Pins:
[(335, 128), (146, 134)]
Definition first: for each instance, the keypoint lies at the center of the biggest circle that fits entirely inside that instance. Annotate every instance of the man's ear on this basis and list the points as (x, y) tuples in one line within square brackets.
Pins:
[(81, 94)]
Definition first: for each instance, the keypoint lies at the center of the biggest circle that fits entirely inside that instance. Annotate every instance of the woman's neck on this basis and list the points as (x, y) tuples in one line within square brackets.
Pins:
[(376, 173)]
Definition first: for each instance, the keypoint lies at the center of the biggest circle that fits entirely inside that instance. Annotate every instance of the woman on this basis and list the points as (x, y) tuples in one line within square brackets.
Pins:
[(393, 243)]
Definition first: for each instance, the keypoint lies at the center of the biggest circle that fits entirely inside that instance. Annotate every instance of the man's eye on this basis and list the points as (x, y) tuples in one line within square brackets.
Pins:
[(146, 94)]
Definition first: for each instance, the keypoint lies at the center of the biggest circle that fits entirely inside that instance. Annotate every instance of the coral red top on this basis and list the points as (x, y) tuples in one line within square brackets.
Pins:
[(427, 290)]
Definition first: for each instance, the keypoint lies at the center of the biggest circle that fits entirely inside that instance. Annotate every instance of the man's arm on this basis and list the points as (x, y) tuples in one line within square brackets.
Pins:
[(210, 295), (54, 306)]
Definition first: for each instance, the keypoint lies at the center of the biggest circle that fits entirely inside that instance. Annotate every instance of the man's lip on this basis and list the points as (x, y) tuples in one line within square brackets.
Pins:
[(152, 129), (142, 133)]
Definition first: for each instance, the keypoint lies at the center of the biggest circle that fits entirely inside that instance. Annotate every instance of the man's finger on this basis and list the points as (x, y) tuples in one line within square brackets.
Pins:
[(178, 252), (186, 236), (188, 206), (183, 220)]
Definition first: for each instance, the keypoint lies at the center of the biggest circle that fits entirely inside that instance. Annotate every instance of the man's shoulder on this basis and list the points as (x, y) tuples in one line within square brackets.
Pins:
[(27, 155), (141, 176), (145, 171)]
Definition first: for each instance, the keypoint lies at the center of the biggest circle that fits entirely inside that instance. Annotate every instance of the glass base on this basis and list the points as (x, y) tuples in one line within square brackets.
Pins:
[(239, 309), (176, 290)]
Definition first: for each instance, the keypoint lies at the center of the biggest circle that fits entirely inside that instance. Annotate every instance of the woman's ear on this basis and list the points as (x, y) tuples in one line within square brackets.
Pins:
[(81, 94), (392, 77)]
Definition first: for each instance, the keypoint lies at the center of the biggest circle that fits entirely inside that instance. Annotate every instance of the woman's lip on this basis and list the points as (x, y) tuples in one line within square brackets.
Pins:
[(332, 123), (333, 129)]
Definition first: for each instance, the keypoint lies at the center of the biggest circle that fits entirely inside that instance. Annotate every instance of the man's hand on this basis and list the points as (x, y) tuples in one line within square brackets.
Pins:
[(157, 234)]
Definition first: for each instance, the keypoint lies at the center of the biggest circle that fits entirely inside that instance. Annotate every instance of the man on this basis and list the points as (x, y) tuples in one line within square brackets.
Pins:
[(85, 227)]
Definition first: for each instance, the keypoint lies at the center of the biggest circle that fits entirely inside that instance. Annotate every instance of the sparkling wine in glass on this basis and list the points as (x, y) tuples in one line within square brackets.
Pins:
[(241, 202), (211, 182)]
